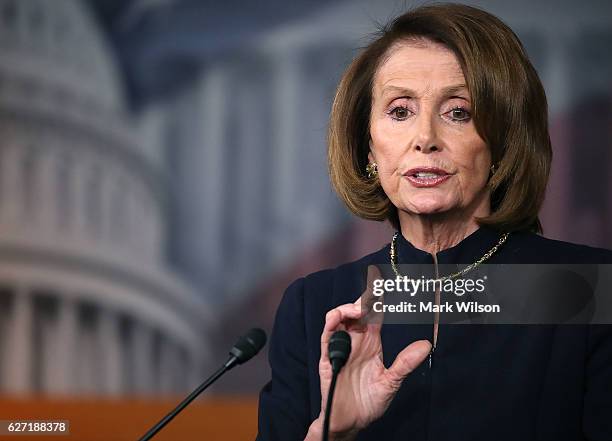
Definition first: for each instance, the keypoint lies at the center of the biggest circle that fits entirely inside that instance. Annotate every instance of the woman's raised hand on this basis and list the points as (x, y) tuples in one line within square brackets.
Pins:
[(364, 388)]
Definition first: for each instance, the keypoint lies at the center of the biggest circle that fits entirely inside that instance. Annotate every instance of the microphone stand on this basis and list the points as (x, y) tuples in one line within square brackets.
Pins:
[(330, 397), (192, 396), (245, 348)]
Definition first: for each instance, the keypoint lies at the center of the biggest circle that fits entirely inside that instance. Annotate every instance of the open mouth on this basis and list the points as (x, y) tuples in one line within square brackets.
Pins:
[(427, 177)]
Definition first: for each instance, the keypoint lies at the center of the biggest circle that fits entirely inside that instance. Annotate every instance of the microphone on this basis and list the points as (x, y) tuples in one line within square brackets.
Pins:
[(245, 348), (339, 349)]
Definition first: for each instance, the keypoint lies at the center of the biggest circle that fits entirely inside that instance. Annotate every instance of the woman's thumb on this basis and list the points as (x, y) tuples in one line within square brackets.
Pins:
[(408, 360)]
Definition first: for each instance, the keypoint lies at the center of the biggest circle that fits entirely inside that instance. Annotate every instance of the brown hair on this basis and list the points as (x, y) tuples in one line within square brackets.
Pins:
[(509, 112)]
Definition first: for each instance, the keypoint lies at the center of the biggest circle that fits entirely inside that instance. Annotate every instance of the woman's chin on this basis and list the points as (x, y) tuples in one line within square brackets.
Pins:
[(428, 207)]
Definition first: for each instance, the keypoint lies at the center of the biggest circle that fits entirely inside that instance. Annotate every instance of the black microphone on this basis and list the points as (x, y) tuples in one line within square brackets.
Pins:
[(339, 349), (245, 348)]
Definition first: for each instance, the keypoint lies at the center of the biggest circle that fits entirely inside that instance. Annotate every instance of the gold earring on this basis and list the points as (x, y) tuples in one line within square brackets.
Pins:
[(372, 170)]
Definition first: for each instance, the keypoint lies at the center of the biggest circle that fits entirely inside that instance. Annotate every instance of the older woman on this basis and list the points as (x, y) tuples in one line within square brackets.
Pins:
[(440, 127)]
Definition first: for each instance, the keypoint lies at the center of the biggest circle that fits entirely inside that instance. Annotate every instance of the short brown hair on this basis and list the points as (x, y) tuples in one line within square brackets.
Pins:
[(509, 111)]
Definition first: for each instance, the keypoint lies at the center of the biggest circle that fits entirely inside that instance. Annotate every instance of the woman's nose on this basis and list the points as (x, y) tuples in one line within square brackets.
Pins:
[(427, 148), (426, 139)]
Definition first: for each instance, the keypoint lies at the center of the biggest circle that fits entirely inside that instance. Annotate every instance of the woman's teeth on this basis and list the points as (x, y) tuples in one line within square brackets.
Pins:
[(426, 175)]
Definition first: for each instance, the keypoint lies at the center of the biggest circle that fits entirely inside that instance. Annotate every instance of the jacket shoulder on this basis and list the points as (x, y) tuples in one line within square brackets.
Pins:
[(349, 268), (343, 284), (546, 250)]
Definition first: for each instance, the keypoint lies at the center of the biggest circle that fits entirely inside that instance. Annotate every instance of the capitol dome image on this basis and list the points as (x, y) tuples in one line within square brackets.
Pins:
[(89, 305)]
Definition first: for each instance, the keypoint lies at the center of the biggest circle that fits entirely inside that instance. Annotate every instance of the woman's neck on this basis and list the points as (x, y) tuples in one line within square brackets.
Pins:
[(437, 232), (434, 237)]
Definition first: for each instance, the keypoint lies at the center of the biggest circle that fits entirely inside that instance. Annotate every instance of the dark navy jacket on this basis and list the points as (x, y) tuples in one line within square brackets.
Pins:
[(487, 382)]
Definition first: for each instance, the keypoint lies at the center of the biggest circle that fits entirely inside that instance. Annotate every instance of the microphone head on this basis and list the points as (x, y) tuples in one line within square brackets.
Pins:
[(339, 349), (248, 345)]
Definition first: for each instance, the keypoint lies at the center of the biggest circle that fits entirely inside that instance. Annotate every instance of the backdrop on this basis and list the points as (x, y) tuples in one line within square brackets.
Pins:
[(163, 179)]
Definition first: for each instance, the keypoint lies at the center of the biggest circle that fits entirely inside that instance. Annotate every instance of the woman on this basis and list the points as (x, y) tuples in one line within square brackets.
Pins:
[(440, 127)]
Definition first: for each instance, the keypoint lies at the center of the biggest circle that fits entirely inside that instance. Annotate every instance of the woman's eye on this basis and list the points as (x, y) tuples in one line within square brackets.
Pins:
[(400, 113), (459, 114)]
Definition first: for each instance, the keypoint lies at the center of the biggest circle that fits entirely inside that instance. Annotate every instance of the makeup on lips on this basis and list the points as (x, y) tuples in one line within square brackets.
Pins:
[(426, 176)]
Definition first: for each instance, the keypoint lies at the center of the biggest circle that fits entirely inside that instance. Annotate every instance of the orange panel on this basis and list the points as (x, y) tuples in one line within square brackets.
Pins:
[(218, 419)]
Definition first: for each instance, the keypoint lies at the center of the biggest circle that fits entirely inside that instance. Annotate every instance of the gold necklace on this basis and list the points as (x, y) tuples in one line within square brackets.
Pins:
[(486, 256)]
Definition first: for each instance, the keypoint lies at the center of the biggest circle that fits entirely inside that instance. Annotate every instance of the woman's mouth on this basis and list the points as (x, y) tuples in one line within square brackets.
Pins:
[(426, 176)]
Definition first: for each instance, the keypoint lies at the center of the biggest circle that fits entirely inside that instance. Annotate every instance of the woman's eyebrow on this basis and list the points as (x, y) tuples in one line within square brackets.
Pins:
[(397, 90), (453, 90), (405, 91)]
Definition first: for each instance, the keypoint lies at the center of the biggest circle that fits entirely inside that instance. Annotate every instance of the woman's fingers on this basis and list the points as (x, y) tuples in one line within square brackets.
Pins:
[(340, 314), (335, 318), (350, 316), (368, 294), (408, 360), (369, 297)]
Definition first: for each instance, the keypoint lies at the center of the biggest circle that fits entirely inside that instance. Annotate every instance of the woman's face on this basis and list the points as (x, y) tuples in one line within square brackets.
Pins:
[(430, 158)]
